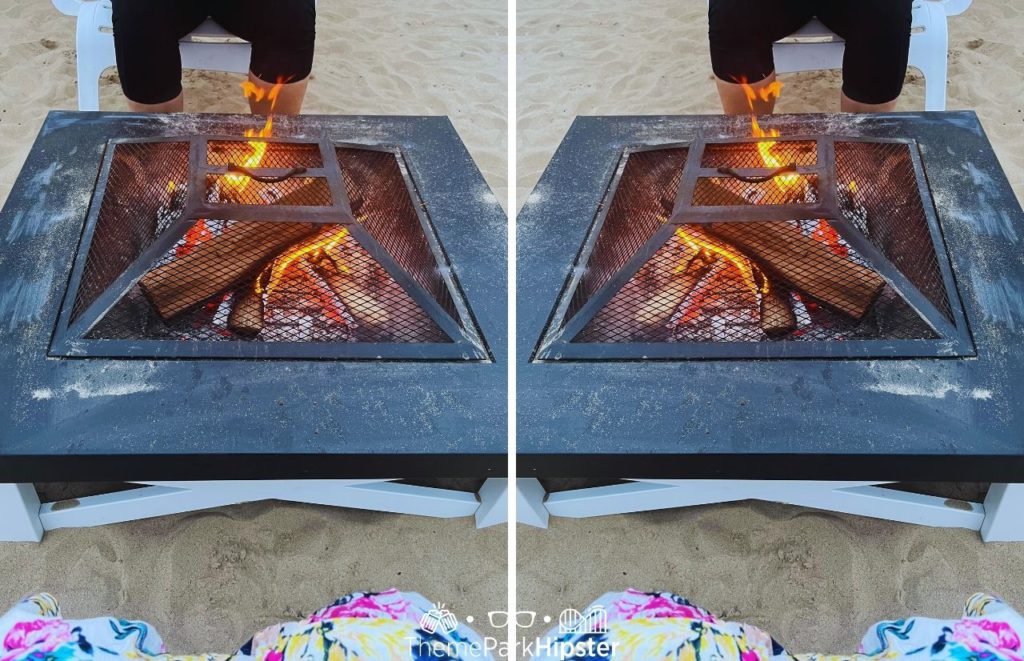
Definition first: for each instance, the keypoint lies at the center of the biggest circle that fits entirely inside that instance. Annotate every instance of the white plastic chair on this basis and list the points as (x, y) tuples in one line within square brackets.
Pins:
[(209, 47), (814, 47)]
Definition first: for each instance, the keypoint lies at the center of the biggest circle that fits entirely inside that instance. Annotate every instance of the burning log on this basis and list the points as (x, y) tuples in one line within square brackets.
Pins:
[(219, 263), (246, 316), (777, 316), (660, 308), (805, 264), (361, 304)]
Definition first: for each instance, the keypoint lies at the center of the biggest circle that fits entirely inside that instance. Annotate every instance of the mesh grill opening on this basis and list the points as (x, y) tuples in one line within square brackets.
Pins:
[(887, 208), (641, 203), (139, 203), (294, 192), (726, 191), (382, 204), (746, 155), (276, 155), (310, 284), (159, 265), (684, 260), (703, 287)]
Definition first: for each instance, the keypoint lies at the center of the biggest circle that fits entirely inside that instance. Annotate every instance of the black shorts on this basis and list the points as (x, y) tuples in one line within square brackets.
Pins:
[(877, 35), (146, 35)]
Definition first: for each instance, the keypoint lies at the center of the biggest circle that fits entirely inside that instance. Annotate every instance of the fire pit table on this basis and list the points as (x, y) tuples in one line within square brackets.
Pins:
[(801, 318), (183, 305)]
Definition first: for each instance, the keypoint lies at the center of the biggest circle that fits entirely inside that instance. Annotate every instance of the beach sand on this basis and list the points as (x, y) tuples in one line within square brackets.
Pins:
[(209, 580), (815, 580)]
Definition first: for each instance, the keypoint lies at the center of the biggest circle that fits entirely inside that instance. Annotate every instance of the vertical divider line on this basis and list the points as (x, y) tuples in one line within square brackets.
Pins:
[(510, 150)]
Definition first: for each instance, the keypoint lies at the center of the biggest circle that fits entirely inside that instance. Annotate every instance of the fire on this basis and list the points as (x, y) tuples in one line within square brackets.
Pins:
[(766, 148), (257, 148), (742, 264), (828, 235), (325, 242), (195, 235)]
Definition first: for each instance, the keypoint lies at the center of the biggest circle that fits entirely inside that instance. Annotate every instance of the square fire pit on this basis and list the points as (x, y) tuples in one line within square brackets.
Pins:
[(842, 302), (327, 302)]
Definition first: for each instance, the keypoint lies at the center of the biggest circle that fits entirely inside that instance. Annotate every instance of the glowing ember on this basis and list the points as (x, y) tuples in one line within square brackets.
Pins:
[(827, 234), (193, 237)]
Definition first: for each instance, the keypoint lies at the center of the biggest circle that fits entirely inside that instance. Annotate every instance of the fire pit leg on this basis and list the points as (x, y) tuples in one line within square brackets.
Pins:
[(1004, 514), (19, 514), (493, 497), (22, 518), (1000, 520), (530, 508)]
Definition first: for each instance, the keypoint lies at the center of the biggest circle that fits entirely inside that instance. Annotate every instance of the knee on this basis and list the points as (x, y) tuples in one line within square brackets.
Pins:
[(740, 44), (284, 50)]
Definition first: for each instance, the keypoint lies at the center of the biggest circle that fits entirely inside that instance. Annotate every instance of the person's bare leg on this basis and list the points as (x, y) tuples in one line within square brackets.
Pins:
[(289, 98), (846, 104), (177, 104), (734, 97)]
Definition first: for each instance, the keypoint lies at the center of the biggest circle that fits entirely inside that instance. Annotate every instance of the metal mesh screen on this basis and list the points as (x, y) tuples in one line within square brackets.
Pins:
[(294, 192), (747, 155), (879, 194), (145, 192), (383, 205), (283, 155), (271, 282), (726, 191), (640, 204), (755, 282)]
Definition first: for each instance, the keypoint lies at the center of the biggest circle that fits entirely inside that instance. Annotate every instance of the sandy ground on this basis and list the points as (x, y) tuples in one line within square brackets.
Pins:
[(814, 580), (209, 580)]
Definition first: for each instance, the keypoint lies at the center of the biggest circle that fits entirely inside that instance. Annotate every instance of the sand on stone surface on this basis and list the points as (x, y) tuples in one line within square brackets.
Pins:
[(815, 580), (210, 580)]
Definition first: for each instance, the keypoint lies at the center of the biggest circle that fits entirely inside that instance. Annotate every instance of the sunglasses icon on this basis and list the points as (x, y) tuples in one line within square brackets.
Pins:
[(500, 619)]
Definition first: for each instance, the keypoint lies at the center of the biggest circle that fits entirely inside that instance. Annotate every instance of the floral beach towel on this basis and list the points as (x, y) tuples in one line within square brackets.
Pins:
[(635, 625), (389, 626)]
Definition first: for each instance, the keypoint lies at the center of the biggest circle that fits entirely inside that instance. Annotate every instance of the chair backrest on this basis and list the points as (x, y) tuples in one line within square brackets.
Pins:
[(954, 7), (68, 7)]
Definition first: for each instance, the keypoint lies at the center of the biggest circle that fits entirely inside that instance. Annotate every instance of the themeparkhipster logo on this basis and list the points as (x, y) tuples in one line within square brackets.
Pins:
[(578, 634)]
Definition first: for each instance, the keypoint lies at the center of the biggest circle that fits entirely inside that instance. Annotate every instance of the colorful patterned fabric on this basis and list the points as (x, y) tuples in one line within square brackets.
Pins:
[(634, 625), (389, 626)]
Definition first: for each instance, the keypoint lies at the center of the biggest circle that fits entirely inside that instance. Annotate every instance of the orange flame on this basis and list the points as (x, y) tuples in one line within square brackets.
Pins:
[(257, 148), (767, 147), (277, 270), (195, 235), (742, 264)]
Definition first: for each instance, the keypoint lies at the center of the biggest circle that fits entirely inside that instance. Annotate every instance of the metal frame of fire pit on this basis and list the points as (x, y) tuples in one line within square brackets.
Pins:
[(70, 334), (953, 336)]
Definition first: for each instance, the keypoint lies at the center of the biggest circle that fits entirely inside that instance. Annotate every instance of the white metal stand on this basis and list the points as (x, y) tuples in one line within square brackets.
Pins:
[(23, 518), (530, 507), (493, 508), (1000, 518)]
